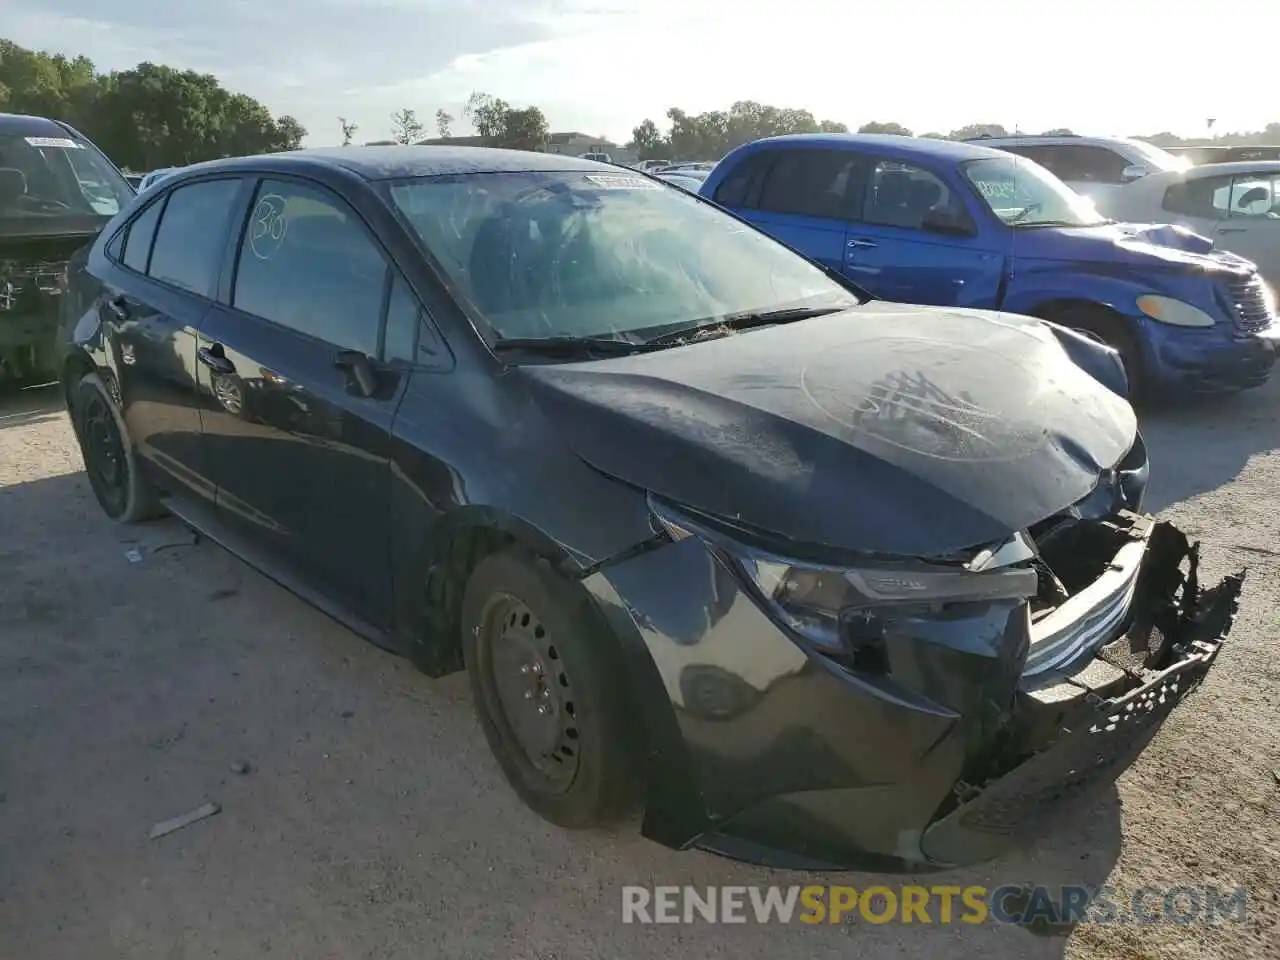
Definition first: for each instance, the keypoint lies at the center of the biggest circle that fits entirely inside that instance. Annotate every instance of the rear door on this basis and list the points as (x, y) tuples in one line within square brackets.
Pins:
[(158, 289), (304, 390), (914, 239), (799, 195), (1252, 226)]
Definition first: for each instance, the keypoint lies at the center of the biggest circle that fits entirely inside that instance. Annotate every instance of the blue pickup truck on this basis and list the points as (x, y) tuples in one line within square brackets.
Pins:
[(955, 224)]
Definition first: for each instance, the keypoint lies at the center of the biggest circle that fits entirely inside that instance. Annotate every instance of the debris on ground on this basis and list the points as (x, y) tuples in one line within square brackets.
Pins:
[(240, 766), (165, 827), (133, 556)]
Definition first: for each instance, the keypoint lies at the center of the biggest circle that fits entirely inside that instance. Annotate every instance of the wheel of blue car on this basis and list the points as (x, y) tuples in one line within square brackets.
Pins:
[(550, 691), (110, 461), (1110, 329)]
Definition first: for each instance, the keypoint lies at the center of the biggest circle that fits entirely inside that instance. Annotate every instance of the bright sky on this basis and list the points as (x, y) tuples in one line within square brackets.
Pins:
[(601, 66)]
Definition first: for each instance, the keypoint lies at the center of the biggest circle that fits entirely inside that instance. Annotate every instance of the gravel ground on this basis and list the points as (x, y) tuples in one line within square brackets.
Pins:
[(372, 822)]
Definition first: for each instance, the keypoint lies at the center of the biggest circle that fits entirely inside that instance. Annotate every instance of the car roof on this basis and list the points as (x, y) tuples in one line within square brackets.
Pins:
[(394, 162), (1059, 139), (888, 145), (26, 126), (1208, 170)]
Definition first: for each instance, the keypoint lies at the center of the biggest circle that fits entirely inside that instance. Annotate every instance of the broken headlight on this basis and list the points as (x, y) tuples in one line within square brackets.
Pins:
[(847, 610)]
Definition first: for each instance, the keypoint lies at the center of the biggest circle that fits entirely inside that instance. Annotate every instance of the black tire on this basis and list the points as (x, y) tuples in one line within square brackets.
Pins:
[(1105, 326), (517, 611), (123, 490)]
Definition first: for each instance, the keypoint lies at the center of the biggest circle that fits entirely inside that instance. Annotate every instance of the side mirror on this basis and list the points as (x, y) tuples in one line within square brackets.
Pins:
[(947, 222), (360, 373), (1135, 171)]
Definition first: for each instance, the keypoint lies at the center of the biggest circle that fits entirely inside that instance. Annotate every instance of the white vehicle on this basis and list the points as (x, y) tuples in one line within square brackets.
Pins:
[(597, 156), (155, 176), (650, 166), (1093, 166), (1237, 205)]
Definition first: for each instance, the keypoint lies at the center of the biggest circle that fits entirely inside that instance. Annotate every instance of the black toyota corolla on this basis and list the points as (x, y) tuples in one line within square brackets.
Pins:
[(809, 579)]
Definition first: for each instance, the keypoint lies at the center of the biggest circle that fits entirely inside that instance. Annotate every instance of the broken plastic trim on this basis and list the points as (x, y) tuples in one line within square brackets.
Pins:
[(1175, 635)]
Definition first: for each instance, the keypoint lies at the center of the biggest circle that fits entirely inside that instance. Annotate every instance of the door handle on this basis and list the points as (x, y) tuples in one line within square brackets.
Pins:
[(863, 244), (212, 358), (118, 307)]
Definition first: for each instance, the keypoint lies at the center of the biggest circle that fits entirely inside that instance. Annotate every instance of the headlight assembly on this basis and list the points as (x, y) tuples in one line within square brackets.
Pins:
[(844, 610), (1176, 313)]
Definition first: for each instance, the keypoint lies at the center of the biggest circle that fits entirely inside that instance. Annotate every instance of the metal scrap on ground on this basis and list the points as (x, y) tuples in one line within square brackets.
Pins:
[(165, 827)]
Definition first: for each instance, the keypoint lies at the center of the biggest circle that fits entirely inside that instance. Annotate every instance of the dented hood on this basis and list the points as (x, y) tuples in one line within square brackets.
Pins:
[(885, 428)]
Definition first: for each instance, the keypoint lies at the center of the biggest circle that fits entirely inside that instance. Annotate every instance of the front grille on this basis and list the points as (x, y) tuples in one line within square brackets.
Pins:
[(1250, 306)]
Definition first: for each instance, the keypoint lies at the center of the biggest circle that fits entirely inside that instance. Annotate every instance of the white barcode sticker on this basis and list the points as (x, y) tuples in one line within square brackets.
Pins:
[(63, 142), (614, 181)]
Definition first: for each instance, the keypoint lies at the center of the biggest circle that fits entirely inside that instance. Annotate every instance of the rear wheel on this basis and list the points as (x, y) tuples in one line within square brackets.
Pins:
[(110, 461), (549, 690), (1108, 328)]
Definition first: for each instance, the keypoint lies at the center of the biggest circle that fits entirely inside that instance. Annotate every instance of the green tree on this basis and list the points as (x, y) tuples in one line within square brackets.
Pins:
[(348, 130), (444, 123), (876, 126), (710, 135), (1059, 132), (648, 143), (406, 127), (150, 116), (501, 125), (975, 130)]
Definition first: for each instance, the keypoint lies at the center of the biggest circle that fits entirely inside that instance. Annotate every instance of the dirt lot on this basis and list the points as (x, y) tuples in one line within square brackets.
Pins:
[(373, 822)]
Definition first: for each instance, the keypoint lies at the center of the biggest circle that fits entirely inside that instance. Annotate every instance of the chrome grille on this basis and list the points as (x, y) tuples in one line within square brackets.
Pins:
[(1251, 307)]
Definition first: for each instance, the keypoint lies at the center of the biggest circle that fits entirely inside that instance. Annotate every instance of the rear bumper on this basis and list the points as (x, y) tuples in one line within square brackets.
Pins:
[(782, 758)]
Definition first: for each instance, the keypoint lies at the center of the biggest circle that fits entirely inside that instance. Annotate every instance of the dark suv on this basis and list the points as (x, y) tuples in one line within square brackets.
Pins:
[(57, 190), (812, 579)]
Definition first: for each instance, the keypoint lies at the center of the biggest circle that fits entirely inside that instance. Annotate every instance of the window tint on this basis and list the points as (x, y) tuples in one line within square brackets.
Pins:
[(741, 188), (1088, 164), (1256, 197), (812, 183), (306, 263), (189, 243), (403, 314), (1207, 197), (900, 194), (137, 244)]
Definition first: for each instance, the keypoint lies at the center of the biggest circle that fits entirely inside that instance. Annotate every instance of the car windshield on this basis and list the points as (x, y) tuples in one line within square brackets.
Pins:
[(1024, 194), (612, 255), (1160, 160), (57, 176)]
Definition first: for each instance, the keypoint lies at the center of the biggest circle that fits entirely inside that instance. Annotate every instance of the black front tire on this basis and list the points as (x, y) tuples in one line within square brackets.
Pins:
[(121, 488), (518, 612)]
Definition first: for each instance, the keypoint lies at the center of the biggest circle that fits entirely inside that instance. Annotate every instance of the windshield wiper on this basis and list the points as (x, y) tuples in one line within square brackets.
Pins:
[(732, 322), (569, 346)]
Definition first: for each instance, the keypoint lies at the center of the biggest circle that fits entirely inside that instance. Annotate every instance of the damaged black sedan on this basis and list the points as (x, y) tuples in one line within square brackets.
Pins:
[(810, 579)]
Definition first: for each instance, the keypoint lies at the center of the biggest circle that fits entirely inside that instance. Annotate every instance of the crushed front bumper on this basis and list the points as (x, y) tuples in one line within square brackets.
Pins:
[(1097, 736), (798, 763)]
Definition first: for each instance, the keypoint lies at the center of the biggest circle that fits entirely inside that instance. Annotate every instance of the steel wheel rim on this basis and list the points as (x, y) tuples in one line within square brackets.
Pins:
[(533, 691), (104, 452)]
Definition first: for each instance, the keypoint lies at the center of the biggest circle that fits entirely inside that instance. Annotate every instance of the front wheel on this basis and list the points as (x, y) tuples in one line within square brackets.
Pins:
[(550, 691), (110, 460)]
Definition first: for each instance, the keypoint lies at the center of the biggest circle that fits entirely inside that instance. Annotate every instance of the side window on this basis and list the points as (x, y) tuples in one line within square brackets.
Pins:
[(306, 263), (811, 183), (1047, 157), (403, 317), (1207, 198), (1255, 196), (137, 243), (190, 241), (1091, 165), (900, 194), (741, 188)]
